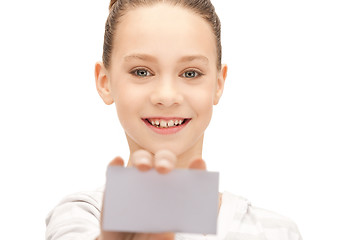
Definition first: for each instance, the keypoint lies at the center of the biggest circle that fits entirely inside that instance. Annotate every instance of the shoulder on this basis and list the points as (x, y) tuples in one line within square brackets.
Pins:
[(93, 198), (77, 213), (90, 201), (251, 222)]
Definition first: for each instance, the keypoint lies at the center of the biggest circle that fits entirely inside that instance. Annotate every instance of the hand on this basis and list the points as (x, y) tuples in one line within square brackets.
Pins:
[(163, 161)]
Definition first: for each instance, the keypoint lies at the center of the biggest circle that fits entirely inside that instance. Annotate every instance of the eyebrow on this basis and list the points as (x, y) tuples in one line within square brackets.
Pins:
[(146, 57)]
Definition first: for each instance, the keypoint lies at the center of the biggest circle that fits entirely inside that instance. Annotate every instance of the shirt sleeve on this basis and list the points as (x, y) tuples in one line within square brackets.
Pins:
[(246, 221), (77, 217), (269, 225)]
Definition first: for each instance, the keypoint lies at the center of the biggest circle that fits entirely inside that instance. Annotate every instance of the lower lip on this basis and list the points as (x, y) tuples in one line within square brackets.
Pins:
[(168, 130)]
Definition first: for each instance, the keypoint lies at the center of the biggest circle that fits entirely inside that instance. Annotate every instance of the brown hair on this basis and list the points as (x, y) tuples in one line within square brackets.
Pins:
[(118, 8)]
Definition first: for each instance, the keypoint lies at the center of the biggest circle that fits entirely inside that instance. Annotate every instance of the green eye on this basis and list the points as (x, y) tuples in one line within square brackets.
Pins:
[(190, 74), (141, 72)]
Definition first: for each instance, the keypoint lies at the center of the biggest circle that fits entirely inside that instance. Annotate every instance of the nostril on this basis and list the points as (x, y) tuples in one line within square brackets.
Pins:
[(166, 99)]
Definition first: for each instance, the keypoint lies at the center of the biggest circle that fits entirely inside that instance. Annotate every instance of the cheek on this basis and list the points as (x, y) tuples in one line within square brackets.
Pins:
[(202, 103), (127, 100), (127, 95)]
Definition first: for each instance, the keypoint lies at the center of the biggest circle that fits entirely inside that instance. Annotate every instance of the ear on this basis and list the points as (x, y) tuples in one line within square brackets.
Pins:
[(220, 83), (103, 83)]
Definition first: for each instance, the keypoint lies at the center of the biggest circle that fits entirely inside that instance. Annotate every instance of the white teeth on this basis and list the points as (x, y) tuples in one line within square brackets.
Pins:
[(165, 124), (171, 123)]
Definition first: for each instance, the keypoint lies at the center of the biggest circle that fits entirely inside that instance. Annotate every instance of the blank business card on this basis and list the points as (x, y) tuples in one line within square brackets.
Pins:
[(181, 201)]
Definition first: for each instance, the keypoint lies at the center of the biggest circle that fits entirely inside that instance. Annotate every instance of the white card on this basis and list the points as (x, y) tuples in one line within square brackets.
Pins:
[(181, 201)]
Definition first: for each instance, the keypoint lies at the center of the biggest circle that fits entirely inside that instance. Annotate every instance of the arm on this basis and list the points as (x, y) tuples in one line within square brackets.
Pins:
[(76, 217)]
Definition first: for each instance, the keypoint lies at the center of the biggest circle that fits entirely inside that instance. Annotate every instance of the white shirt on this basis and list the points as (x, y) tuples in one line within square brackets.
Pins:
[(77, 217)]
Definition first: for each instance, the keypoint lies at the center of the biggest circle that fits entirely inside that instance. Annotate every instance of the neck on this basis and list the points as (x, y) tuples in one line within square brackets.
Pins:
[(183, 159)]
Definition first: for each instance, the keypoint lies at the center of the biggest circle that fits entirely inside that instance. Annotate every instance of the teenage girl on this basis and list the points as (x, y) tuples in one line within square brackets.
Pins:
[(162, 68)]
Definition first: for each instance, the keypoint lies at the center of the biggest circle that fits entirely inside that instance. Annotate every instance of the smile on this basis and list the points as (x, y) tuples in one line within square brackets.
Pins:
[(160, 123), (166, 126)]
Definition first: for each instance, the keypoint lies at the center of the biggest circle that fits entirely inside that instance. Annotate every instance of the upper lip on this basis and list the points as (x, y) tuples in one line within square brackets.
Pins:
[(165, 118)]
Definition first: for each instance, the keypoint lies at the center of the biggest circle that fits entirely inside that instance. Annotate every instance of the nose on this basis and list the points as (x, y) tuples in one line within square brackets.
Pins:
[(166, 93)]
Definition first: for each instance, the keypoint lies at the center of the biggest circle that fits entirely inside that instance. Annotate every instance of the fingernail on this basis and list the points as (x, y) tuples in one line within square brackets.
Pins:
[(164, 161), (142, 160)]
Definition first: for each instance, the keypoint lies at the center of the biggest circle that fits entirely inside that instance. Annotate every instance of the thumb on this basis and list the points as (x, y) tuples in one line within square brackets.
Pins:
[(198, 164)]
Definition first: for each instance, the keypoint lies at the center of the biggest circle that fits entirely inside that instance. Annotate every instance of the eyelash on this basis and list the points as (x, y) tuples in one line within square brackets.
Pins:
[(135, 71), (197, 73), (148, 73)]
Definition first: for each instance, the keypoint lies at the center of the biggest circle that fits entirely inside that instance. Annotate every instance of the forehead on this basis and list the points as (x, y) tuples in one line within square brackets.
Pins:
[(164, 30)]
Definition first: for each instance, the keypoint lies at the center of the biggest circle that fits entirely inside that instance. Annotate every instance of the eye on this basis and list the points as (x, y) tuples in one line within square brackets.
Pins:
[(141, 72), (191, 74)]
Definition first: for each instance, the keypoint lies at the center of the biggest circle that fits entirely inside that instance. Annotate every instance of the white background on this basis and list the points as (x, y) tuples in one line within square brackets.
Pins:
[(277, 137)]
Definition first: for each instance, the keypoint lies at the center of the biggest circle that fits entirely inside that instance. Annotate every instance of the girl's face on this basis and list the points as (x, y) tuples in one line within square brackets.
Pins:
[(163, 78)]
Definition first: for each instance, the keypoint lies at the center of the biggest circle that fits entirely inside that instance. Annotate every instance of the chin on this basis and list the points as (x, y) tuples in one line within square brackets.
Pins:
[(179, 147)]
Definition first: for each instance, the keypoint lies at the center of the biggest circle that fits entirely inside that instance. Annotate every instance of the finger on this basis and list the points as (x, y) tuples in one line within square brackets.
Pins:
[(197, 163), (165, 161), (162, 236), (117, 161), (142, 160), (106, 235)]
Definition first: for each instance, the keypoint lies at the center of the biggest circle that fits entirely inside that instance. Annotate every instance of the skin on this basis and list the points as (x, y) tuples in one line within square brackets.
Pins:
[(163, 66)]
